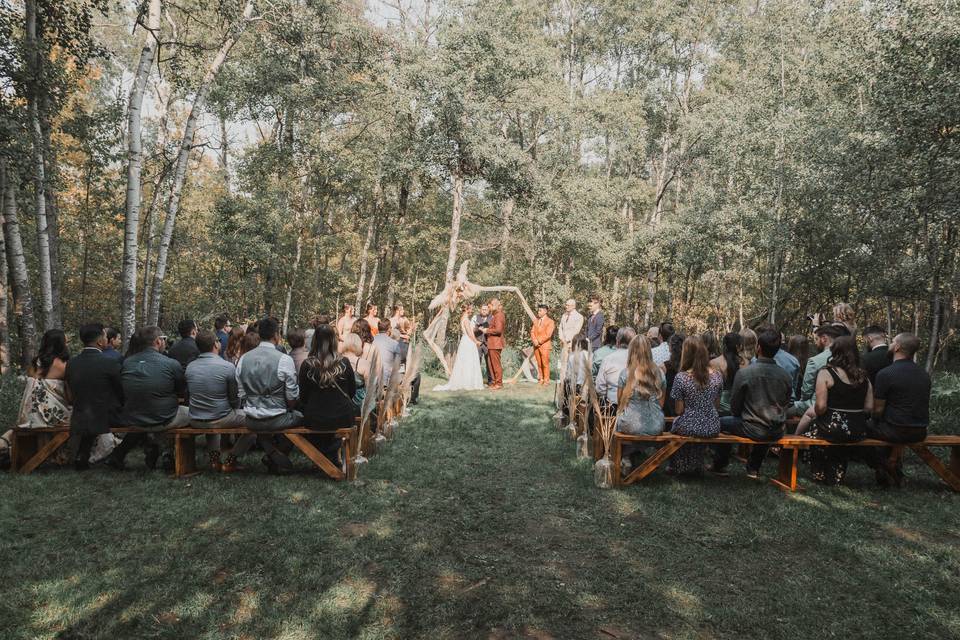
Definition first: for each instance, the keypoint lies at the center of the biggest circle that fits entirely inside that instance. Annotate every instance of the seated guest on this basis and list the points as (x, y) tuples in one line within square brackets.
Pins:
[(758, 403), (223, 327), (250, 342), (185, 349), (152, 387), (268, 389), (214, 403), (44, 402), (296, 338), (642, 391), (728, 363), (661, 353), (799, 348), (576, 372), (844, 399), (824, 335), (671, 368), (696, 395), (878, 353), (901, 407), (748, 346), (609, 346), (653, 337), (612, 366), (389, 351), (114, 343), (710, 341), (327, 390), (372, 318), (353, 351), (234, 345), (93, 384)]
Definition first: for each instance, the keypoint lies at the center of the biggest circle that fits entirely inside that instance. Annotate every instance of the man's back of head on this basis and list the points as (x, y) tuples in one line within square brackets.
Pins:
[(624, 336), (268, 329), (768, 342), (220, 322), (384, 326), (610, 339), (906, 346), (874, 336), (90, 333), (186, 327), (206, 341)]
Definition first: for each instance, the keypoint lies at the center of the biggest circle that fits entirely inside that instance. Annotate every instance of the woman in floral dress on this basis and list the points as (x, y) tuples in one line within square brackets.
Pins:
[(696, 395)]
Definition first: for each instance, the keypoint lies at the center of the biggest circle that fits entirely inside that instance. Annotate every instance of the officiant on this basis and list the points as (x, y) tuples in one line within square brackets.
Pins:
[(481, 321)]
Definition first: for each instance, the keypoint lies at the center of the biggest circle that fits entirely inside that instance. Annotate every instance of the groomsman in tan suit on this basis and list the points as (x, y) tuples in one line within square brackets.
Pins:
[(571, 324)]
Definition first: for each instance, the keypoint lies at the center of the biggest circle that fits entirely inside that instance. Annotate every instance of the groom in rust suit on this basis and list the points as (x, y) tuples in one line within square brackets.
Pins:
[(495, 344)]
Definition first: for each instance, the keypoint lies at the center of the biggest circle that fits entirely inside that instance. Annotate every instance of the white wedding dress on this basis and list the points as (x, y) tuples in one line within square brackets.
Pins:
[(466, 374)]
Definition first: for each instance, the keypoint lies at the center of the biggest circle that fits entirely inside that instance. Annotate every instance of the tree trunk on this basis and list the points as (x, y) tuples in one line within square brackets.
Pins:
[(888, 308), (53, 215), (183, 158), (361, 281), (22, 297), (935, 311), (131, 225), (298, 254), (4, 302), (507, 214), (39, 170), (455, 226)]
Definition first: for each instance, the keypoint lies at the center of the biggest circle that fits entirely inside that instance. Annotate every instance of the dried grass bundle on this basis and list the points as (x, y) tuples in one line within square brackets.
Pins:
[(374, 389)]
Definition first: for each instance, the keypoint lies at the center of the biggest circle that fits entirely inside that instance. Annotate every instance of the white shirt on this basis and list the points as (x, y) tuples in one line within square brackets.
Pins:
[(571, 323), (661, 353), (608, 378), (286, 372)]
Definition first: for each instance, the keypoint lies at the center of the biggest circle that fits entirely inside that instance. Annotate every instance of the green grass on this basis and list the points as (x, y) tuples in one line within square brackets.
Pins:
[(476, 521)]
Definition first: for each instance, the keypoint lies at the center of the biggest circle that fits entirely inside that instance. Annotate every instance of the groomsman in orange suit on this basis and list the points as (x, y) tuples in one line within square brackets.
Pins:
[(541, 333), (495, 343)]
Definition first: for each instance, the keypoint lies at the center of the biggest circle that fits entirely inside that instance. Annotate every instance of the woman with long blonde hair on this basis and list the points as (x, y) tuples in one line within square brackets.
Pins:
[(845, 315), (642, 392)]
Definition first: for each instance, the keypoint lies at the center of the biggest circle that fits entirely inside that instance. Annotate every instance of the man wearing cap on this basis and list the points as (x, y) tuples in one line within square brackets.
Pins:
[(824, 335)]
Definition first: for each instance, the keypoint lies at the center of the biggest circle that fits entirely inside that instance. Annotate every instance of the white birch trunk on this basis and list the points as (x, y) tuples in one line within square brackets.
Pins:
[(183, 158), (293, 281), (361, 281), (22, 297), (455, 226), (39, 171), (131, 226)]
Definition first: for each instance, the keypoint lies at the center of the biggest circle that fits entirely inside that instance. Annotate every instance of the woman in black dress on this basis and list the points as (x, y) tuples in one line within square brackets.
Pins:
[(327, 387), (844, 399)]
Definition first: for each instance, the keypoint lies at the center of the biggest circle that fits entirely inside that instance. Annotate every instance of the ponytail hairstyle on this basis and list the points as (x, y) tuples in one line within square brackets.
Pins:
[(732, 345), (643, 376)]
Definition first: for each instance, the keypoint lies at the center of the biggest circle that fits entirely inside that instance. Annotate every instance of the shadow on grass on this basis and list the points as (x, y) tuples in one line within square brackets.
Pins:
[(476, 521)]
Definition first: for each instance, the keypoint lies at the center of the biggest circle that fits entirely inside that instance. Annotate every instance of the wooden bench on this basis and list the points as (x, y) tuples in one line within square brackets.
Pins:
[(28, 451), (790, 447)]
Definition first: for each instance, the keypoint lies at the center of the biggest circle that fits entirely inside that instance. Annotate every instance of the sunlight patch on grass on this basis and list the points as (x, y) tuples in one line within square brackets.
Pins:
[(347, 596), (247, 607)]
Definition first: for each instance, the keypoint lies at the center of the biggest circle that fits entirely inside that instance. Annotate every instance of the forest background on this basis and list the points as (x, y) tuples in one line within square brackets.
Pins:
[(719, 163)]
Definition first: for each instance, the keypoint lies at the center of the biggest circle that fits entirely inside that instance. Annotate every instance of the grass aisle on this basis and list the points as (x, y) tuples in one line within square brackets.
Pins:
[(476, 521)]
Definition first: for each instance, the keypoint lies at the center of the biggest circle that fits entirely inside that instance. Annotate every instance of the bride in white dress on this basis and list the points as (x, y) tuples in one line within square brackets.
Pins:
[(466, 374)]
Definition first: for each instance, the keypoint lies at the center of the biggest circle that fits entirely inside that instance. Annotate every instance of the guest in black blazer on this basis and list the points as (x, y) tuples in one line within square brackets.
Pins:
[(93, 384), (878, 354)]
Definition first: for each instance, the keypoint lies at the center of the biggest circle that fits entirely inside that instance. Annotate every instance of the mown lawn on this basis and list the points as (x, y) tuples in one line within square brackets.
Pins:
[(477, 521)]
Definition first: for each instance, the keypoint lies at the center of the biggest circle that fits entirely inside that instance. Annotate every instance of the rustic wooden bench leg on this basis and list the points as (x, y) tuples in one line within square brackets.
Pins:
[(31, 457), (23, 446), (346, 456), (650, 465), (945, 473), (314, 454), (787, 469), (185, 455), (955, 460), (616, 453)]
